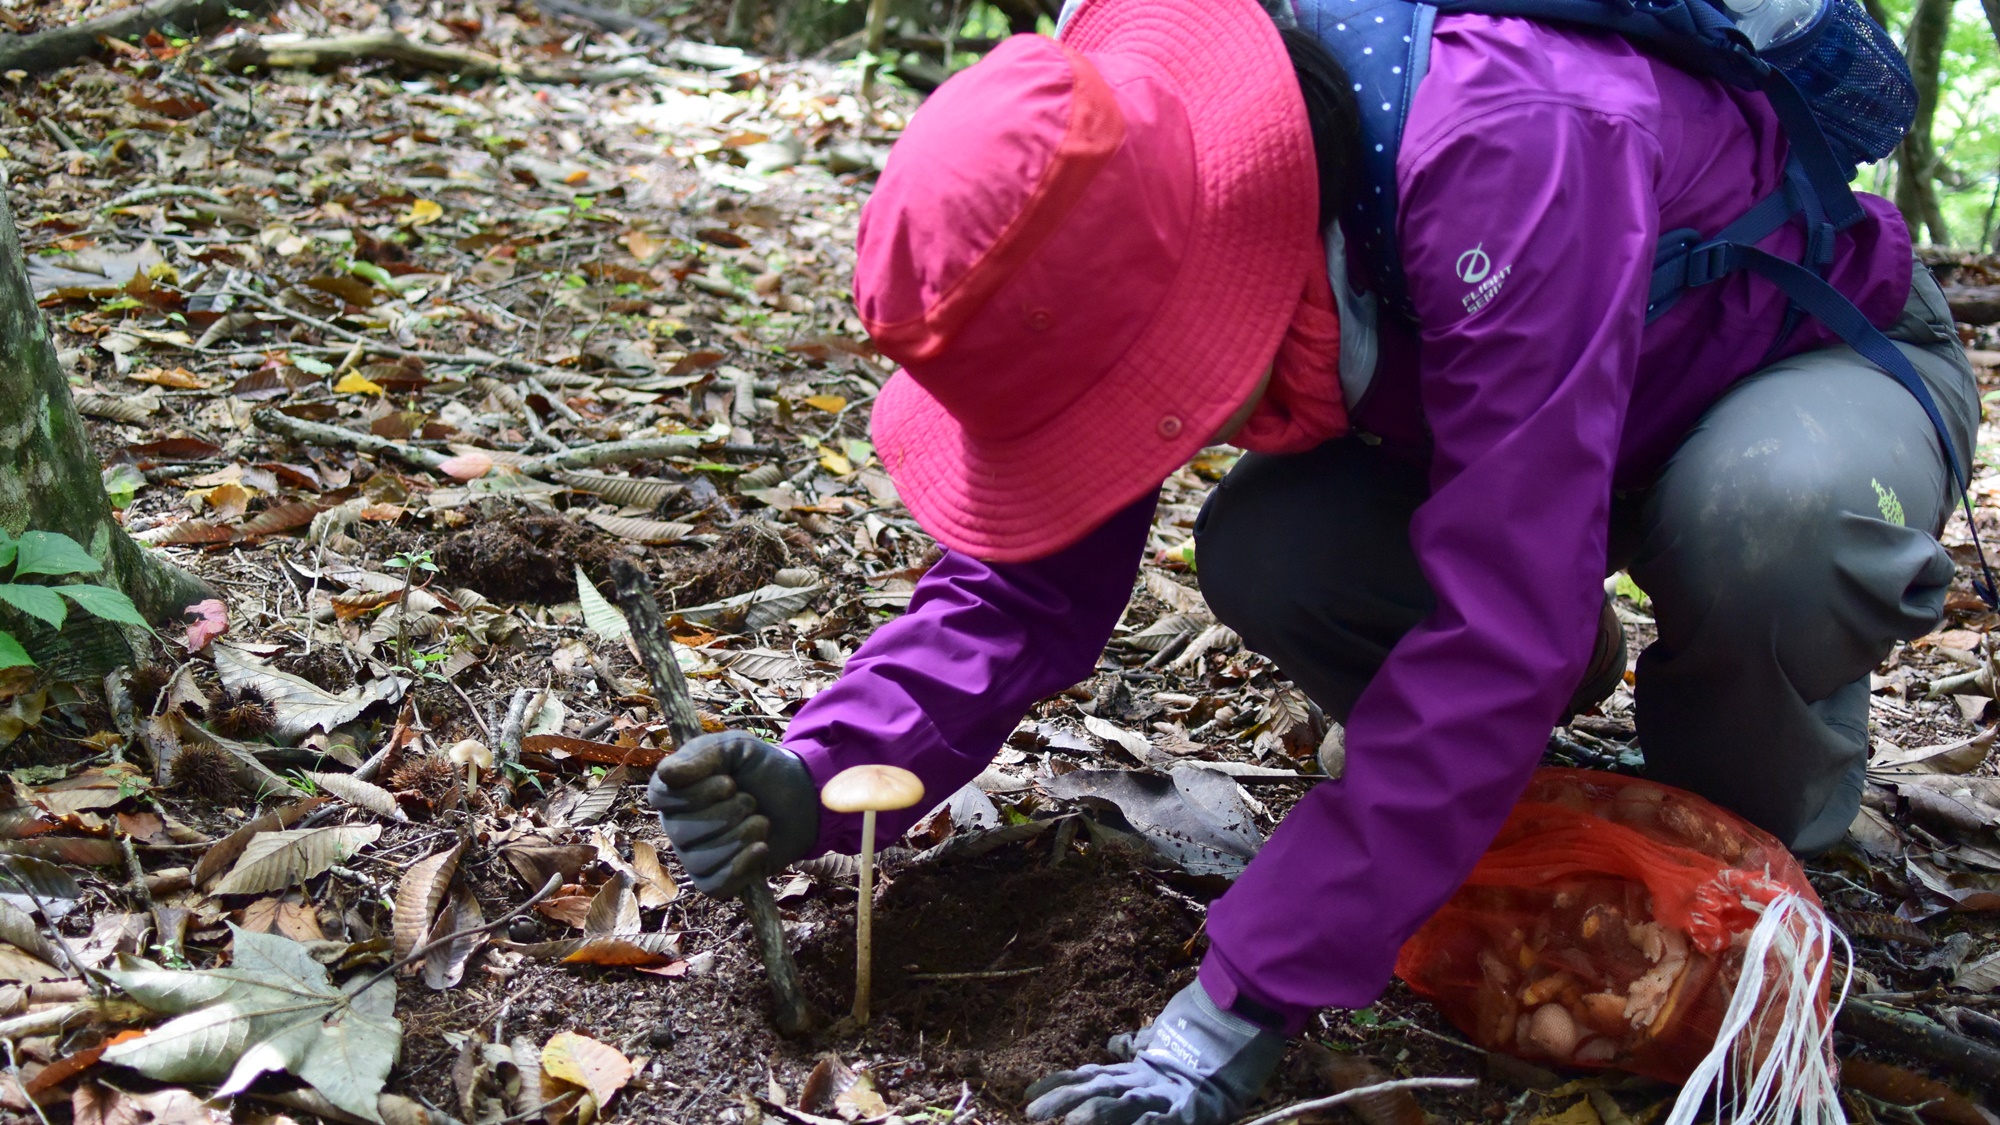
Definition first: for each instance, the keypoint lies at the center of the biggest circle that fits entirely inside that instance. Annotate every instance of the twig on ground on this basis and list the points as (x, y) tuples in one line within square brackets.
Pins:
[(62, 45), (21, 1084), (319, 433), (555, 401), (507, 748), (980, 974), (581, 457), (552, 886), (379, 347), (1923, 1038), (612, 452), (168, 191), (1300, 1109), (49, 1021)]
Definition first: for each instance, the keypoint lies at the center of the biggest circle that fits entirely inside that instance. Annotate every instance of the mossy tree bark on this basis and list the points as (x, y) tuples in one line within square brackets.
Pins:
[(49, 479), (1918, 160)]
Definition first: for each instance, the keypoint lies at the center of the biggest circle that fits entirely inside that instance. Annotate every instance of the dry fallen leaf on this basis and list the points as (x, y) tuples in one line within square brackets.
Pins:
[(656, 888), (273, 861), (582, 1061), (418, 896)]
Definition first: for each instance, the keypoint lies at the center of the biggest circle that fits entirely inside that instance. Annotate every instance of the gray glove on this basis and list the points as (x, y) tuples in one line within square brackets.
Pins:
[(1195, 1065), (735, 808)]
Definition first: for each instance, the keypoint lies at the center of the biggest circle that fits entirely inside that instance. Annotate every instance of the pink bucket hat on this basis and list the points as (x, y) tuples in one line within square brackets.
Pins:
[(1084, 254)]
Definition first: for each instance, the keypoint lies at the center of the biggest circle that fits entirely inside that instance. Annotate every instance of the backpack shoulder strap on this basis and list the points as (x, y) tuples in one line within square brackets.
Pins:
[(1385, 47)]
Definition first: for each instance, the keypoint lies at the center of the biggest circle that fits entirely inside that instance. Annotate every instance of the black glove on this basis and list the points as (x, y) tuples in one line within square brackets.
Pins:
[(1195, 1065), (735, 808)]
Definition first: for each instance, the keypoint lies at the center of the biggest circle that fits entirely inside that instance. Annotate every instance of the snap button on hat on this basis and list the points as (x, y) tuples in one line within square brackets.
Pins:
[(1040, 319), (1170, 427)]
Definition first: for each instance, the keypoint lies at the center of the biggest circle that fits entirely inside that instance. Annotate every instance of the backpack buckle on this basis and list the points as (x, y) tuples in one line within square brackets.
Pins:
[(1710, 261)]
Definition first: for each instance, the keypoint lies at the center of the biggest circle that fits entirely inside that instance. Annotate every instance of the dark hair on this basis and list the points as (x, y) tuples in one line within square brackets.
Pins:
[(1334, 118)]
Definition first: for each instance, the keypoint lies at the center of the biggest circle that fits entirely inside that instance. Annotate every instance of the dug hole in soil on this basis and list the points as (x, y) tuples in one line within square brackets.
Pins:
[(1107, 942)]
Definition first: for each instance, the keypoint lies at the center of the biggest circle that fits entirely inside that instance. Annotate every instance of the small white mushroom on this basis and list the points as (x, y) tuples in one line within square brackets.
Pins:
[(868, 790), (474, 756), (1552, 1030)]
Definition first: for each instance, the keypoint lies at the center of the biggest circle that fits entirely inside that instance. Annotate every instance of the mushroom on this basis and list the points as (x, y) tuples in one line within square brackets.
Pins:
[(868, 790), (474, 756)]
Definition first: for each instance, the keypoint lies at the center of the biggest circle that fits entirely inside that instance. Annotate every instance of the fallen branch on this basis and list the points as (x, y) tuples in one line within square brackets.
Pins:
[(168, 191), (62, 1017), (707, 56), (1921, 1038), (380, 348), (1977, 305), (612, 452), (60, 46), (274, 421), (296, 52), (1300, 1109), (634, 597)]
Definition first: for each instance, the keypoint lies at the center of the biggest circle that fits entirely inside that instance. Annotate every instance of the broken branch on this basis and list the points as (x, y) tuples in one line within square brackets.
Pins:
[(59, 46), (1922, 1038), (319, 433), (634, 596)]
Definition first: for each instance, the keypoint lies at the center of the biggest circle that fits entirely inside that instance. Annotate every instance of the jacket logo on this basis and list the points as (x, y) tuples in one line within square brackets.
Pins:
[(1474, 265)]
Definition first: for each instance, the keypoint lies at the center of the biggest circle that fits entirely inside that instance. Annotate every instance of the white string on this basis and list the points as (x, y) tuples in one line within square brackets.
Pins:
[(1792, 1079)]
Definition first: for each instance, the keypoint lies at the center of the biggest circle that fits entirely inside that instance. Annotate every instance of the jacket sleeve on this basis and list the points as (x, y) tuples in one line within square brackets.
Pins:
[(1528, 237), (937, 690)]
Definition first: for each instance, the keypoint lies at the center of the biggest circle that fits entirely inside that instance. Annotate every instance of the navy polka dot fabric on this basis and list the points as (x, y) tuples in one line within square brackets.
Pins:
[(1385, 46)]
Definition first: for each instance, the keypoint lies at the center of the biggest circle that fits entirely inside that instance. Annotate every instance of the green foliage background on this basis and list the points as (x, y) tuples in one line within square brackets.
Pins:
[(1967, 130)]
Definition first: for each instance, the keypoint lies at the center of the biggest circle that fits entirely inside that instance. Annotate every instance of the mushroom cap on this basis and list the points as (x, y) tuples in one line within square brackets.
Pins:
[(471, 751), (871, 789)]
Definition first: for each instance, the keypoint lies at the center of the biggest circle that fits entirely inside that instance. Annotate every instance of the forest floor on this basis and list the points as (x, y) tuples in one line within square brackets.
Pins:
[(611, 240)]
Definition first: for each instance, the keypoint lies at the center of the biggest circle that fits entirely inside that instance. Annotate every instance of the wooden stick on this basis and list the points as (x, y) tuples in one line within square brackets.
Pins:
[(65, 43), (1300, 1109), (1922, 1038), (634, 596), (319, 433)]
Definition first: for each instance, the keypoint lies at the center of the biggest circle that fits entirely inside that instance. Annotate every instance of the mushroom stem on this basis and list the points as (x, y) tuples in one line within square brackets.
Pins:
[(864, 930)]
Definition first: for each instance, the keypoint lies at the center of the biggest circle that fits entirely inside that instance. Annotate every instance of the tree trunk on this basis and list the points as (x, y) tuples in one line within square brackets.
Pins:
[(1993, 17), (49, 479), (1916, 183)]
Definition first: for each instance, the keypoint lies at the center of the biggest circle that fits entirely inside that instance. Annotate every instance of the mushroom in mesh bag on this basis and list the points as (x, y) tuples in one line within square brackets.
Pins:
[(1621, 923)]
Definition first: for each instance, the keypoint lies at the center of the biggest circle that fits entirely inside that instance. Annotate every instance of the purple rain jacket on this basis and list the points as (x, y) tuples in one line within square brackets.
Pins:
[(1551, 159)]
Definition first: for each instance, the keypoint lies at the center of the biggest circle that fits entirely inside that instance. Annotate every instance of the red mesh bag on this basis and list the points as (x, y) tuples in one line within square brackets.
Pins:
[(1617, 922)]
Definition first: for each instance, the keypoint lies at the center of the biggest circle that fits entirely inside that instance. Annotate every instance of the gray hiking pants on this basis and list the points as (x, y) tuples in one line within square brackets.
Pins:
[(1787, 544)]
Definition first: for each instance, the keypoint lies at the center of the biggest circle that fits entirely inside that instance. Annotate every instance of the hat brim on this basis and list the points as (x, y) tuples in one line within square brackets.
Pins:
[(1206, 348)]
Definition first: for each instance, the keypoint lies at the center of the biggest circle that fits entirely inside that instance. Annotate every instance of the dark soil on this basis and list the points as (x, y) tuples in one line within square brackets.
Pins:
[(1107, 945), (524, 558), (743, 558)]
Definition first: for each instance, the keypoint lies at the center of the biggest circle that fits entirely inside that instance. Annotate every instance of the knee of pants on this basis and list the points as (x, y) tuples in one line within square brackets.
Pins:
[(1799, 556), (1308, 558)]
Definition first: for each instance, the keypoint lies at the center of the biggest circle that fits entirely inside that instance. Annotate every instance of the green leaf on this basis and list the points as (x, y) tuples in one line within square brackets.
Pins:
[(12, 655), (122, 482), (49, 552), (275, 1009), (38, 602), (7, 547), (103, 602), (311, 366)]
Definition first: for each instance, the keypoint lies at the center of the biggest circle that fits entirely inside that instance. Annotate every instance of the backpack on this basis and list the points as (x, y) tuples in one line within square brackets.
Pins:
[(1842, 94)]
